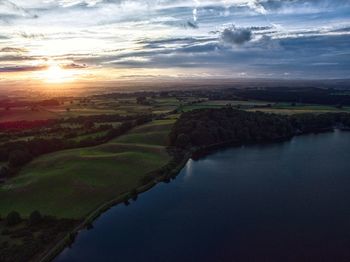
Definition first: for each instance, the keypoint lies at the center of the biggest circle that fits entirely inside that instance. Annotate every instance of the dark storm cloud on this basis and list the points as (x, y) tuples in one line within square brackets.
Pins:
[(237, 36)]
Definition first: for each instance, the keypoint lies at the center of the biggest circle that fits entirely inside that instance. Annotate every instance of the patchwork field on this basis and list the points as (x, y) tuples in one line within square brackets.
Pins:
[(72, 183), (76, 108), (222, 103), (18, 114), (278, 108)]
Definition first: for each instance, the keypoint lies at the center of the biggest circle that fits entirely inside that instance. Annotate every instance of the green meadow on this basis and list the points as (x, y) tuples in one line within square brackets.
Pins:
[(72, 183), (155, 133)]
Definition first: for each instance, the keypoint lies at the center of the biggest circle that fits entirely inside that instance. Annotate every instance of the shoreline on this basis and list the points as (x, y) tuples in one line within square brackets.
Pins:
[(204, 151), (164, 177), (124, 198)]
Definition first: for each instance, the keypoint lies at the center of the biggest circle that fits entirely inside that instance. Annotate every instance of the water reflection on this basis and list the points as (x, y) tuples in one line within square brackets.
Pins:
[(188, 170)]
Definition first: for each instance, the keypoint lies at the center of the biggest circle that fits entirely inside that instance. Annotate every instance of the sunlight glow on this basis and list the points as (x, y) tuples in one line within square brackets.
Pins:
[(56, 74)]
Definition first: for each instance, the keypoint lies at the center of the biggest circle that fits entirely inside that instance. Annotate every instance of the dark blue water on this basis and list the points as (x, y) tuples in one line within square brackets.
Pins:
[(279, 202)]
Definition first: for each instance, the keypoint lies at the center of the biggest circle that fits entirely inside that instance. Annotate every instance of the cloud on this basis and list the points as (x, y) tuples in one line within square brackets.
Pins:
[(236, 36), (192, 25), (12, 50), (68, 3), (17, 69), (269, 35), (31, 36), (74, 66), (10, 10)]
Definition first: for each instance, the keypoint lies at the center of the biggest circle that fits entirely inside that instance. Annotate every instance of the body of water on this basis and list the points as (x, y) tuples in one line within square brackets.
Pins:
[(280, 202)]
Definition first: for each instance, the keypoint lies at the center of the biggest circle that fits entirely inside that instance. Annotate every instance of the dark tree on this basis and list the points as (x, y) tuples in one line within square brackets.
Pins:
[(13, 218), (183, 141), (35, 218), (4, 172), (19, 158), (141, 100), (89, 124), (208, 127)]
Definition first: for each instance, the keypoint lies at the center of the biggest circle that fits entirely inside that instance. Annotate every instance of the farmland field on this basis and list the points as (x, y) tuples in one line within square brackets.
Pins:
[(17, 114), (268, 107), (72, 183)]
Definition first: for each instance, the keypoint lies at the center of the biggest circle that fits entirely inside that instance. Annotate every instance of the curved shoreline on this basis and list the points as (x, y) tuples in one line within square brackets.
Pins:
[(195, 153), (124, 198)]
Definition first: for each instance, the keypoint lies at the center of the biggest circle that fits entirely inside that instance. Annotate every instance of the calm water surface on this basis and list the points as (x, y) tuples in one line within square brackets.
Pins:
[(280, 202)]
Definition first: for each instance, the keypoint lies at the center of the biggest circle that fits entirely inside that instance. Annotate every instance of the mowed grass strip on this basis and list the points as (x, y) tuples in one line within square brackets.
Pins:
[(72, 183)]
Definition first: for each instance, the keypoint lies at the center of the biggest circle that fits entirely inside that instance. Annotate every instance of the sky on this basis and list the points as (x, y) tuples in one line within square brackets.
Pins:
[(62, 41)]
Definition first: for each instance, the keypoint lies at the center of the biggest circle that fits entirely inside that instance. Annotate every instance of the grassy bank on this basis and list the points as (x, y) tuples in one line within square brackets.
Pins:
[(72, 183), (67, 240)]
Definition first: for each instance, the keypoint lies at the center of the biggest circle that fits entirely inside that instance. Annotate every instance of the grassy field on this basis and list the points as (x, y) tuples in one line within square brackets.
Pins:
[(72, 183), (278, 108), (94, 107), (18, 114), (90, 136), (222, 103), (155, 133)]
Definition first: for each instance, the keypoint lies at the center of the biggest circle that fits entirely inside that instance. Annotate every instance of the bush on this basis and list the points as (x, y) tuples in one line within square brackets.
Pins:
[(183, 141), (4, 171), (13, 218), (35, 218), (5, 232), (134, 194)]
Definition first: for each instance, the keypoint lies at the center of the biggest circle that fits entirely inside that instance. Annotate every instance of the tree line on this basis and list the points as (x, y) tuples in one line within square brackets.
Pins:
[(24, 238), (321, 96), (201, 128)]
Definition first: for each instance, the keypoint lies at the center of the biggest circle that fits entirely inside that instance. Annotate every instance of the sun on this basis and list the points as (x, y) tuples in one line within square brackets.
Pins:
[(56, 74)]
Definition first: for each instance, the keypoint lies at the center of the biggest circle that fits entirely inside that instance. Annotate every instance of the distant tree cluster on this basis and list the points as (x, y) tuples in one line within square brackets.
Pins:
[(210, 126), (205, 127), (302, 95)]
